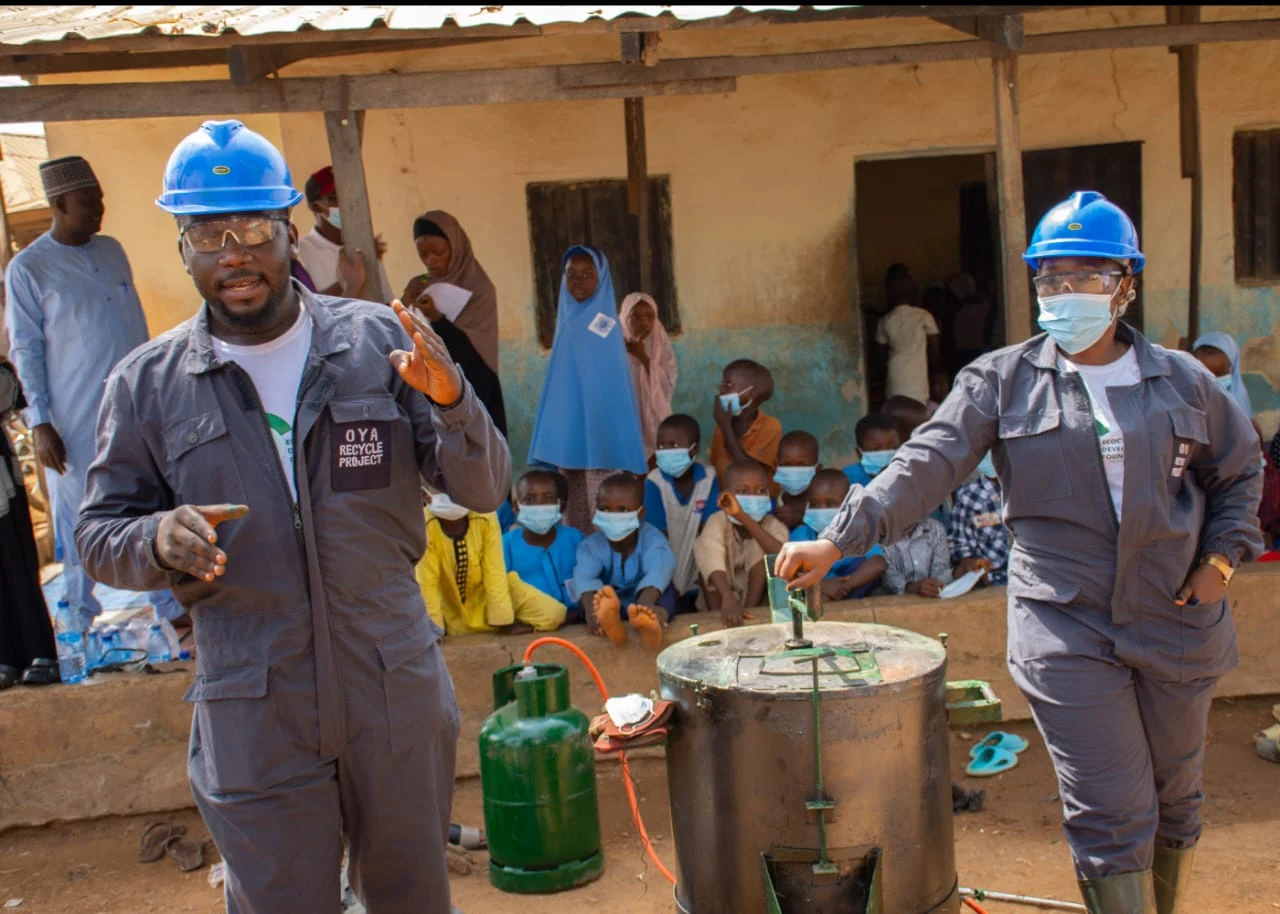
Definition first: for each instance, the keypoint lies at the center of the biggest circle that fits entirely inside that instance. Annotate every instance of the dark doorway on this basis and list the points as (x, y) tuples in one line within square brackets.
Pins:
[(932, 213), (1049, 176)]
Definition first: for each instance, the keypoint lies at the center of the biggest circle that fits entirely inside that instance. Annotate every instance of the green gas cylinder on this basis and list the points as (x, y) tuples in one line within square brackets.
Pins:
[(538, 775)]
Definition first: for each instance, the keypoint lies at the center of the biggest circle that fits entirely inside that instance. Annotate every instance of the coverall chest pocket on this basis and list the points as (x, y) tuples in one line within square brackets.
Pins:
[(1178, 452), (1033, 448), (362, 448), (201, 466), (419, 693)]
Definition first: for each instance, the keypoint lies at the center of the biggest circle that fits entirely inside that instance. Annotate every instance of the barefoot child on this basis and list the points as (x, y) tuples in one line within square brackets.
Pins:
[(797, 464), (624, 570), (730, 550), (850, 578), (743, 430), (540, 551), (679, 496), (464, 579)]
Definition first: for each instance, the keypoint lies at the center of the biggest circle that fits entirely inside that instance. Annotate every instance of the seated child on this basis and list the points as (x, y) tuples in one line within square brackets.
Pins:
[(850, 578), (464, 579), (624, 569), (797, 464), (679, 496), (730, 550), (540, 550), (878, 438), (743, 430), (920, 562), (976, 530)]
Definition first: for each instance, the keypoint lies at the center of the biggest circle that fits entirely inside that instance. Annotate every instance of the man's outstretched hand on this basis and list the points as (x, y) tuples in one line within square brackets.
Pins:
[(186, 540), (429, 369)]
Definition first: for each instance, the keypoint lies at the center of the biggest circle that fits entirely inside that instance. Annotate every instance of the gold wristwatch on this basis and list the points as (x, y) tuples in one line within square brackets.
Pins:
[(1221, 564)]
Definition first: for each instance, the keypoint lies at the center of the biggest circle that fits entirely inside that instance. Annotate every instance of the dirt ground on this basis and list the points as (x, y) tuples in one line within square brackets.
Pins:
[(1014, 845)]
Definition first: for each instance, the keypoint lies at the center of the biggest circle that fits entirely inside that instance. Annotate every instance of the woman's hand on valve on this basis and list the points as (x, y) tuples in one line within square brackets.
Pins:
[(804, 565)]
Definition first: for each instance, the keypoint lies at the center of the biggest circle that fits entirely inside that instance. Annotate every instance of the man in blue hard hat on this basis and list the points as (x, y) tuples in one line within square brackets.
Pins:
[(265, 460), (1131, 484), (73, 313)]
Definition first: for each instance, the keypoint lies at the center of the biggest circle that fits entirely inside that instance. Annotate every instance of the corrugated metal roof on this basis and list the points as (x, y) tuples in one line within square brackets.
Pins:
[(20, 171), (25, 24)]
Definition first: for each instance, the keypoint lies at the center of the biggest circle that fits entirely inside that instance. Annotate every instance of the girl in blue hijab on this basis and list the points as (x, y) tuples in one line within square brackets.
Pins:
[(1218, 352), (588, 424)]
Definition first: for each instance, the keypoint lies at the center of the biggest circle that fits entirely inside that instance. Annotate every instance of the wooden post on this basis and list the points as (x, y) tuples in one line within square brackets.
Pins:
[(6, 240), (638, 187), (345, 129), (1189, 136), (1012, 215)]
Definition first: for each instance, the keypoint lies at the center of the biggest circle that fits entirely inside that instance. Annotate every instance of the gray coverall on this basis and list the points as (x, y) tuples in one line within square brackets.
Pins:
[(323, 708), (1119, 678)]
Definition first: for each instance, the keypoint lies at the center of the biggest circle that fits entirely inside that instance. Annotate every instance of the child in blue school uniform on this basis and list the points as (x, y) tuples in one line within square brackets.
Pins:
[(624, 570), (850, 578), (797, 464), (679, 496), (878, 438), (541, 549)]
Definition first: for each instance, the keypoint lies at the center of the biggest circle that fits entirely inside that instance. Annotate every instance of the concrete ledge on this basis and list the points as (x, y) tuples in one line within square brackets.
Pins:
[(119, 745)]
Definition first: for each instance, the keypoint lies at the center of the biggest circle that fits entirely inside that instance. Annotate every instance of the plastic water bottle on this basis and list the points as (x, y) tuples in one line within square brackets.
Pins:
[(71, 657), (110, 641), (93, 648), (157, 646)]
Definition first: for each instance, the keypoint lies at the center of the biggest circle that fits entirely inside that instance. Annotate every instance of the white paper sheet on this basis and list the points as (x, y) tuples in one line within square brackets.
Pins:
[(449, 299), (963, 584)]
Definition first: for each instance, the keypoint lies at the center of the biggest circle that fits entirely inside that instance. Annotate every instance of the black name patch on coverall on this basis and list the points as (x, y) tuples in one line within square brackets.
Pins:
[(361, 456)]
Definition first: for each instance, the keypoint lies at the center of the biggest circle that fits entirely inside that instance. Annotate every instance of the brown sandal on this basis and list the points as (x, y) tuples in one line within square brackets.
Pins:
[(152, 843), (188, 853)]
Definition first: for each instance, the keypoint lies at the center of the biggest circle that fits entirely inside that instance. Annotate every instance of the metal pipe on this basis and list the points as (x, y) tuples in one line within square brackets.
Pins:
[(1052, 903)]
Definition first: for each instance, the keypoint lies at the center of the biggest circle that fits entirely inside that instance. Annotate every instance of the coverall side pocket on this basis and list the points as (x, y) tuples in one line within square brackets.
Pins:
[(233, 721), (419, 694), (1208, 641), (1034, 454)]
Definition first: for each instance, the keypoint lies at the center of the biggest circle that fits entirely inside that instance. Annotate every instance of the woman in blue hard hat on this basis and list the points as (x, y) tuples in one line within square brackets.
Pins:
[(1130, 483)]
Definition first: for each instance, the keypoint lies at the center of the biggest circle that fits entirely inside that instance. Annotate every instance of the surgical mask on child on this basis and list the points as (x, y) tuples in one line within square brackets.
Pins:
[(1224, 380), (538, 518), (986, 467), (819, 519), (674, 461), (754, 506), (443, 507), (794, 480), (732, 402), (1075, 320), (617, 525), (875, 461), (335, 217)]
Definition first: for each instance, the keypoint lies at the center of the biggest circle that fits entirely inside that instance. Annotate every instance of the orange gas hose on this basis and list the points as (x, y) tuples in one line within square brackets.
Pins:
[(977, 907), (627, 780)]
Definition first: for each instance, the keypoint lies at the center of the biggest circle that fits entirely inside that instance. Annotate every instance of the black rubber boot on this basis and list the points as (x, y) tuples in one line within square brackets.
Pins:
[(1125, 893), (1172, 872)]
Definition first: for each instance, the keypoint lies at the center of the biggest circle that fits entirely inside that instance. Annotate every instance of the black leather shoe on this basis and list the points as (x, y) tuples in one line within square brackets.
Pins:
[(8, 676), (42, 671)]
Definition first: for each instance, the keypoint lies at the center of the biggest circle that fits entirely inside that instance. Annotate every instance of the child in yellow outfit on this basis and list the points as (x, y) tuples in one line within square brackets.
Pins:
[(464, 578)]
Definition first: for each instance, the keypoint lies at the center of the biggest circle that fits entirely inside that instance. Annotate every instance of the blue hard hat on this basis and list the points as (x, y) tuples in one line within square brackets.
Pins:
[(1086, 224), (224, 167)]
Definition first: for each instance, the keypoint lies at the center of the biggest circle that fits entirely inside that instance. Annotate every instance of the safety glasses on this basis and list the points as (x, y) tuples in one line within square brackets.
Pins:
[(1090, 282), (210, 237)]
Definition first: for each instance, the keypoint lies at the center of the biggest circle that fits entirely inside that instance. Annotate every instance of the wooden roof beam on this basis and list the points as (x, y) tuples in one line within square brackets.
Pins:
[(1005, 32)]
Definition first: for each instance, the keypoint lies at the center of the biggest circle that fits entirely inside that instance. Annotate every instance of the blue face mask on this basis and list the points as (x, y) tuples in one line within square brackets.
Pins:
[(732, 402), (1075, 320), (875, 461), (674, 462), (538, 518), (1224, 380), (986, 467), (617, 525), (335, 217), (819, 519), (794, 480), (754, 506)]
